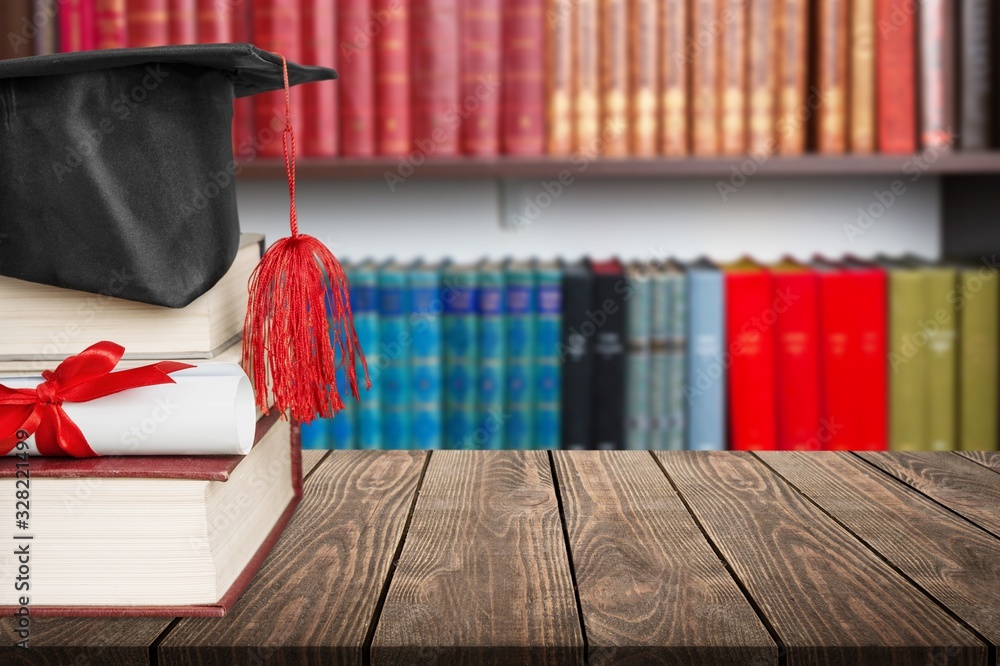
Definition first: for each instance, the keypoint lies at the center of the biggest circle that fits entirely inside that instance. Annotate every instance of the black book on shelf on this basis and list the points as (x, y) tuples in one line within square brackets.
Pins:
[(607, 322), (576, 354)]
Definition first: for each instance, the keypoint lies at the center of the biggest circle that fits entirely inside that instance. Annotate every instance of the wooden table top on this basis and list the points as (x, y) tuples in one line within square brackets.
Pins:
[(533, 557)]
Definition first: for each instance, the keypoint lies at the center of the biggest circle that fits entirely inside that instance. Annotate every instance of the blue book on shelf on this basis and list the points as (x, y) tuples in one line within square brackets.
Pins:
[(489, 422), (519, 425), (316, 435), (459, 291), (659, 367), (676, 357), (705, 388), (426, 314), (343, 426), (638, 332), (364, 304), (394, 351), (548, 378)]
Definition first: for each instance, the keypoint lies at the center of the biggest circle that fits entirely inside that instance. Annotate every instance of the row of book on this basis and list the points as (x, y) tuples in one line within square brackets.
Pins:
[(616, 77), (897, 354)]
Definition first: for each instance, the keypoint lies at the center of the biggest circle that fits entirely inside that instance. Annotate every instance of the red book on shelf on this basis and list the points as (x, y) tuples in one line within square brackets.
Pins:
[(110, 24), (243, 108), (705, 71), (276, 29), (148, 23), (435, 85), (76, 25), (937, 76), (733, 78), (318, 135), (392, 78), (870, 382), (750, 316), (480, 48), (896, 79), (832, 62), (356, 58), (214, 22), (559, 70), (797, 376), (523, 116), (183, 22)]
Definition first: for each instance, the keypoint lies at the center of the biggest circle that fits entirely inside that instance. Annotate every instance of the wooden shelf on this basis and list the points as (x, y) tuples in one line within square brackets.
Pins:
[(553, 167)]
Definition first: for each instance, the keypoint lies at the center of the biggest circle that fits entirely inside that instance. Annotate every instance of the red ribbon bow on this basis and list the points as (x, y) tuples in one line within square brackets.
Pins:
[(81, 378)]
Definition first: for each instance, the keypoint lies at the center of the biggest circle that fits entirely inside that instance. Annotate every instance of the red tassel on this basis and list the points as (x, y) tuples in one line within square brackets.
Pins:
[(296, 291)]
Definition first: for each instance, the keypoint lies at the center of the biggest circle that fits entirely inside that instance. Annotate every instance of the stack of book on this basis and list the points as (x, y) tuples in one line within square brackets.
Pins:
[(108, 535), (825, 354)]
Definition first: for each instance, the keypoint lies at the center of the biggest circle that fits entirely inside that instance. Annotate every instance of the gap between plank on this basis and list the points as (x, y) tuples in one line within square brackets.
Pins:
[(154, 648), (990, 648), (569, 556), (782, 651), (978, 462), (366, 645)]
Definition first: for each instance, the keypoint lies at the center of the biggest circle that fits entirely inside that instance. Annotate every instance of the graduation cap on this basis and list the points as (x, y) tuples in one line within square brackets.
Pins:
[(116, 168)]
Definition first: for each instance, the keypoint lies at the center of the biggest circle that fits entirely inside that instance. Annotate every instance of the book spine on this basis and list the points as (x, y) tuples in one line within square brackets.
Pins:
[(677, 363), (937, 113), (704, 81), (637, 370), (587, 77), (461, 358), (762, 81), (521, 334), (559, 74), (869, 382), (276, 29), (659, 315), (481, 49), (608, 392), (750, 340), (576, 354), (732, 78), (548, 378), (356, 58), (76, 26), (939, 324), (907, 362), (392, 77), (614, 94), (110, 24), (979, 309), (862, 124), (343, 426), (706, 373), (523, 115), (148, 23), (491, 376), (318, 134), (793, 75), (645, 60), (364, 304), (832, 64), (214, 22), (45, 16), (897, 79), (435, 77), (674, 78), (797, 369), (976, 71), (426, 429), (839, 360), (244, 111), (394, 364), (183, 26)]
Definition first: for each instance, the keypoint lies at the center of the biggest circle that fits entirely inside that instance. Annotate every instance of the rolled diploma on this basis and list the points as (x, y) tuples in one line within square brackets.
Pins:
[(208, 411)]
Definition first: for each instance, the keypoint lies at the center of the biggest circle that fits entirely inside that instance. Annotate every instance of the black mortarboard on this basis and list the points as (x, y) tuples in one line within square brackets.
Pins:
[(116, 166)]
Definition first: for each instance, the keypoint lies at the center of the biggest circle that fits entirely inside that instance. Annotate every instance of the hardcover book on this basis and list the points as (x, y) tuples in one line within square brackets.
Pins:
[(522, 298), (674, 79), (979, 37), (705, 72), (356, 60), (608, 314), (364, 304), (979, 331), (705, 387), (392, 78), (587, 77), (560, 64), (637, 371), (491, 376), (937, 81), (149, 23), (548, 380), (793, 75), (481, 48), (832, 63), (895, 51), (762, 81), (908, 360), (110, 24), (862, 76), (76, 26), (318, 136), (523, 96), (275, 28), (426, 307), (393, 354), (435, 77), (461, 356), (576, 355), (732, 78), (183, 26), (676, 380), (644, 58)]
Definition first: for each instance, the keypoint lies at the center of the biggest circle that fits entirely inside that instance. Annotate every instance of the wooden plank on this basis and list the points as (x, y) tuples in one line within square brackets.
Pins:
[(311, 458), (82, 641), (651, 589), (958, 564), (483, 577), (989, 459), (315, 596), (966, 488), (828, 597)]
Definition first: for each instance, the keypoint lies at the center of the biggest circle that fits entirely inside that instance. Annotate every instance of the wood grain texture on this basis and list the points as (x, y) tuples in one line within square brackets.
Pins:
[(315, 596), (945, 555), (483, 577), (651, 589), (989, 459), (828, 597), (82, 641), (963, 486), (311, 458)]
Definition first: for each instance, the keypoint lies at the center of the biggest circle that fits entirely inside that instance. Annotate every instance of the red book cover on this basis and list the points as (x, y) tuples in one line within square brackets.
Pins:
[(356, 58), (110, 24), (148, 23), (523, 115), (392, 78), (832, 64), (183, 22), (276, 29), (797, 376), (76, 25), (751, 313), (481, 48), (244, 132), (435, 85), (318, 134), (214, 22), (896, 80), (838, 357), (870, 382)]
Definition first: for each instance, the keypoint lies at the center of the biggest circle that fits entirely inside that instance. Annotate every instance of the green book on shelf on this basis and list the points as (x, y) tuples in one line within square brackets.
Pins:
[(940, 323), (978, 307), (638, 330), (908, 359)]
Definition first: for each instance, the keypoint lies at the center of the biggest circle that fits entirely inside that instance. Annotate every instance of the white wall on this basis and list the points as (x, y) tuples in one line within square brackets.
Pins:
[(766, 217)]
